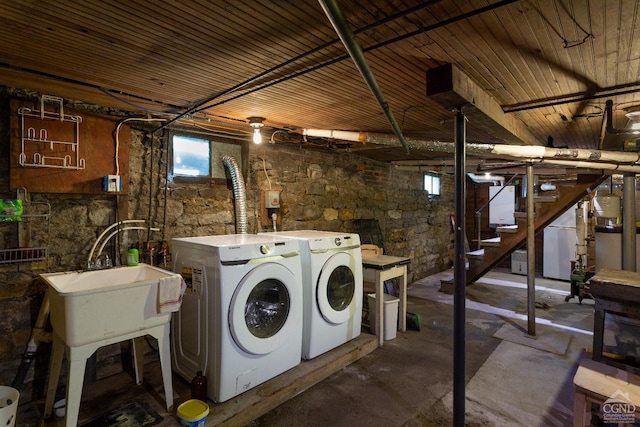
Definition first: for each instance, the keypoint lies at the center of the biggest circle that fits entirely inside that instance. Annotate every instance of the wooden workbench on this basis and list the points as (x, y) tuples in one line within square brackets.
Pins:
[(615, 390), (618, 292)]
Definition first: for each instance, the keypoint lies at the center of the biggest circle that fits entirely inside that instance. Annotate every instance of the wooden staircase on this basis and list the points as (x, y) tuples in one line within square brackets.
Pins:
[(547, 209)]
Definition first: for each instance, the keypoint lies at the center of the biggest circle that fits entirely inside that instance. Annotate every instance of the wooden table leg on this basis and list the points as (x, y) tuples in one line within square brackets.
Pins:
[(580, 418)]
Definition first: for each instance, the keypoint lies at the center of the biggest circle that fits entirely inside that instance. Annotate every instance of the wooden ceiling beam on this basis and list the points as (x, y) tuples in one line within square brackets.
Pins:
[(450, 87)]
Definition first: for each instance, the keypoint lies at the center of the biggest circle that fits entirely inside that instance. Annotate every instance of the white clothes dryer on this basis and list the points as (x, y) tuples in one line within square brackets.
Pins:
[(241, 317), (332, 288)]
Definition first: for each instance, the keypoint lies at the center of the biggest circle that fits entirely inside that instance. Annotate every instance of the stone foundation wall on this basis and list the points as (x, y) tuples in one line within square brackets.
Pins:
[(319, 190)]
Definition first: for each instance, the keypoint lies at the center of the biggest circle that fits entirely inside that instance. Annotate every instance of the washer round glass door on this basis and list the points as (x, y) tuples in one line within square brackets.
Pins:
[(336, 288), (265, 308)]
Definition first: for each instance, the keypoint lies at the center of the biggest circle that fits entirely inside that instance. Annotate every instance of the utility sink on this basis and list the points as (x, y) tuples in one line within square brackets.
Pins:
[(91, 309), (101, 305)]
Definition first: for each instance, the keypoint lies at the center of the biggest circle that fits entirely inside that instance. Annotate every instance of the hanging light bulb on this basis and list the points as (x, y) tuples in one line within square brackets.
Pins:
[(256, 124), (257, 136)]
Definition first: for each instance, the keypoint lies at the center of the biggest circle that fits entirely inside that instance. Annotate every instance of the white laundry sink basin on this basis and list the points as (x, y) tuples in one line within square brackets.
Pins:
[(101, 305)]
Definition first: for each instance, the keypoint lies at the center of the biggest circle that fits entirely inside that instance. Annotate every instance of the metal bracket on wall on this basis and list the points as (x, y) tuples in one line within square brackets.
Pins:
[(37, 149)]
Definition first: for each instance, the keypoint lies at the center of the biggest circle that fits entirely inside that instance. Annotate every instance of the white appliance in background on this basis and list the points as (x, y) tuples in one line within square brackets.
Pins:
[(332, 288), (241, 317), (519, 262), (502, 206), (608, 244), (560, 241)]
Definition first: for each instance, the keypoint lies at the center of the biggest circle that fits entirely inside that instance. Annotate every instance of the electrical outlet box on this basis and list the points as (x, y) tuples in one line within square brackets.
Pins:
[(269, 206), (112, 183), (272, 199)]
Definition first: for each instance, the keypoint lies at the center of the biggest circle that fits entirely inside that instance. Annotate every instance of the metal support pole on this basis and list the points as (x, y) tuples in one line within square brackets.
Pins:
[(459, 275), (531, 255), (629, 221), (479, 228)]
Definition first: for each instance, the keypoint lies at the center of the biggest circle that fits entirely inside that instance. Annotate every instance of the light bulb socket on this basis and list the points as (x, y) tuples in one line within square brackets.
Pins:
[(256, 122)]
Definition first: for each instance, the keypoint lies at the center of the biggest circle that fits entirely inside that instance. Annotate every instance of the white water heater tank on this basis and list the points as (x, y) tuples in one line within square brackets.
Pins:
[(606, 205)]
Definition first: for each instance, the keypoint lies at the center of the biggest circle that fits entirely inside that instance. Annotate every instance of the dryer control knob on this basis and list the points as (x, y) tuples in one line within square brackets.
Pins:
[(264, 249), (338, 241)]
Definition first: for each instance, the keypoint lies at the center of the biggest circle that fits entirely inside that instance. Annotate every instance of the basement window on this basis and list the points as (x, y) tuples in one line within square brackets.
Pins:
[(431, 184), (191, 156), (197, 158)]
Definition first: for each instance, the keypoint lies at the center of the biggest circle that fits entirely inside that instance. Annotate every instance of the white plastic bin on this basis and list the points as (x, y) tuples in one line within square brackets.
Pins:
[(390, 313), (8, 406)]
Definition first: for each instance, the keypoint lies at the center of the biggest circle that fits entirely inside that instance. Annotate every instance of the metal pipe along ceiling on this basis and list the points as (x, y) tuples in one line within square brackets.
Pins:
[(339, 22), (598, 159)]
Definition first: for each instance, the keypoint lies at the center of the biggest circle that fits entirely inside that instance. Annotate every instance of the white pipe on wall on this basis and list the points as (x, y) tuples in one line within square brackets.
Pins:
[(106, 230)]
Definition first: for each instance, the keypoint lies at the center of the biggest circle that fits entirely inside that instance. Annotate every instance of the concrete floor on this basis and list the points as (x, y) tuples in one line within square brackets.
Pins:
[(512, 379), (408, 382)]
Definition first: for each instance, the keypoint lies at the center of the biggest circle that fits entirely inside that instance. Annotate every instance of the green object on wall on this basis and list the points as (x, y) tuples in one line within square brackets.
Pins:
[(10, 210)]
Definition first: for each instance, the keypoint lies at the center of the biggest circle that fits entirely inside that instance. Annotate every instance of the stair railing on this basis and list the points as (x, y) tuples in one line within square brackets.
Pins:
[(478, 212)]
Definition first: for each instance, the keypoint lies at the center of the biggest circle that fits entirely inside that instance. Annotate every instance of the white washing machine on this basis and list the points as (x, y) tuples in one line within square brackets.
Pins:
[(332, 288), (241, 317)]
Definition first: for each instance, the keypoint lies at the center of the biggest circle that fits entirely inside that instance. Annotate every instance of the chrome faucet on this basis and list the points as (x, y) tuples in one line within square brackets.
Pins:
[(102, 262)]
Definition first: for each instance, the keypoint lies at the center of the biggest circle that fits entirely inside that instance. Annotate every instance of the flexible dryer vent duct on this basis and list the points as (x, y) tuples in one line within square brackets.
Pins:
[(238, 193)]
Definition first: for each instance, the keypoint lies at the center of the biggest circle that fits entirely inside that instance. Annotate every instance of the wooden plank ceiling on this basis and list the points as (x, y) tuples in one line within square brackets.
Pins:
[(550, 64)]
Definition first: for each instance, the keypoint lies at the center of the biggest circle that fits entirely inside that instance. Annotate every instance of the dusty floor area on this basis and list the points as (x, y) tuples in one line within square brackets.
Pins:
[(512, 379)]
